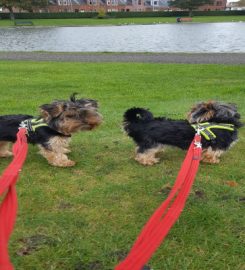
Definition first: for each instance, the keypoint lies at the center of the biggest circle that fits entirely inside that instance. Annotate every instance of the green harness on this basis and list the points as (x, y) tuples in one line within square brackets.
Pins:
[(32, 124), (206, 129)]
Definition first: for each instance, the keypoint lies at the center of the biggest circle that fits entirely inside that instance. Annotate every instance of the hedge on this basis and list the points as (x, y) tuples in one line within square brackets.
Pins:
[(66, 15), (58, 15)]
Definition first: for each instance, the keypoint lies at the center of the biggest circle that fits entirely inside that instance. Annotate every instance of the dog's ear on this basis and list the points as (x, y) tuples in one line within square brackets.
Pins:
[(73, 97), (49, 111)]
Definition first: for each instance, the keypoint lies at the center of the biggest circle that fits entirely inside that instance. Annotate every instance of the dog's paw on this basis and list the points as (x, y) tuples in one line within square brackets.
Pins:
[(67, 163), (147, 162), (6, 154), (210, 160)]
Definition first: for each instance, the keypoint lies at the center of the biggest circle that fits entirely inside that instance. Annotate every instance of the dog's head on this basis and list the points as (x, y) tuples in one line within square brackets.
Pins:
[(71, 116), (214, 111)]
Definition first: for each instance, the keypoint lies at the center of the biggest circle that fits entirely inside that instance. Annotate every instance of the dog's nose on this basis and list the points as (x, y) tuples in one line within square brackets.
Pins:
[(93, 119)]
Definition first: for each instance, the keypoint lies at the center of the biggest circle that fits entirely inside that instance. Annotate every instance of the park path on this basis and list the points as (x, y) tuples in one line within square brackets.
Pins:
[(191, 58)]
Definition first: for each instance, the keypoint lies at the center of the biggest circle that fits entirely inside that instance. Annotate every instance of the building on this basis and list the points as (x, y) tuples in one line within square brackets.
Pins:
[(217, 5), (107, 5), (122, 5), (235, 6), (118, 5)]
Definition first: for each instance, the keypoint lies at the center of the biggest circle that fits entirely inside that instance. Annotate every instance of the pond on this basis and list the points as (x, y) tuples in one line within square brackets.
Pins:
[(177, 37)]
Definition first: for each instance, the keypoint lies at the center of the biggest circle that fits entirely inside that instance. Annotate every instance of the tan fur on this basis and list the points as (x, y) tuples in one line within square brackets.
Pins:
[(54, 111), (71, 123), (4, 149), (206, 116), (149, 156), (56, 154), (211, 156)]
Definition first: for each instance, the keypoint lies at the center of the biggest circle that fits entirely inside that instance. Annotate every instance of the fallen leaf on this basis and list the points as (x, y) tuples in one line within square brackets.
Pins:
[(231, 183)]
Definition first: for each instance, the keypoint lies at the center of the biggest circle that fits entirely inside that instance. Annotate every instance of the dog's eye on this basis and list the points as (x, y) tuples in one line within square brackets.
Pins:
[(69, 116)]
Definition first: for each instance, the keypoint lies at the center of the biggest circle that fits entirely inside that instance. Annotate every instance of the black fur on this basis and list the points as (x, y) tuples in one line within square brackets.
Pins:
[(149, 132), (9, 125)]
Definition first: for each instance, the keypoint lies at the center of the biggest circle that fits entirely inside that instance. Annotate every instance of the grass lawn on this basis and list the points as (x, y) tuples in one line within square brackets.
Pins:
[(122, 21), (87, 217)]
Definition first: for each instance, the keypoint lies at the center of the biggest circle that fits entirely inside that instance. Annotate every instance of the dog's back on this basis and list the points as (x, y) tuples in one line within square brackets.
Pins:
[(9, 125)]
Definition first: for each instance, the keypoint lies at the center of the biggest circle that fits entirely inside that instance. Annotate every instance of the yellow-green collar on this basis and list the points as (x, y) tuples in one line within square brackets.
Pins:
[(32, 124), (206, 129)]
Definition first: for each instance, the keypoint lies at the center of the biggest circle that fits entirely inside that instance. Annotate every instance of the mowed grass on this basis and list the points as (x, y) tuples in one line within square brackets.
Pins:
[(123, 21), (88, 216)]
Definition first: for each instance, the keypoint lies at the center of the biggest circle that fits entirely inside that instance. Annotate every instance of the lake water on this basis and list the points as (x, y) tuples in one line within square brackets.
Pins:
[(178, 37)]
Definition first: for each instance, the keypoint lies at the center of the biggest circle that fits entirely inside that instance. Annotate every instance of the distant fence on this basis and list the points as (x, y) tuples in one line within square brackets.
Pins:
[(70, 15), (174, 13)]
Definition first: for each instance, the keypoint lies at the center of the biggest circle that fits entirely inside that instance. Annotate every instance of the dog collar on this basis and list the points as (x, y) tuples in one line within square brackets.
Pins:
[(32, 124), (206, 129)]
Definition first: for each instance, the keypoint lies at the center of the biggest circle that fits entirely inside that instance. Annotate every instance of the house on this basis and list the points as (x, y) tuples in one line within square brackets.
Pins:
[(217, 5), (119, 5), (234, 6)]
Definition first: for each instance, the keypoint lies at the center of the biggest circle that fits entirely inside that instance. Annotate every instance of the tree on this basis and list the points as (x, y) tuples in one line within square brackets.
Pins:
[(241, 3), (22, 4), (30, 4), (190, 5)]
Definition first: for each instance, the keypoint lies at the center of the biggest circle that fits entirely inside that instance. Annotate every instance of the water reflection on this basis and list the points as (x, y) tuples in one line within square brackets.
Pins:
[(198, 37)]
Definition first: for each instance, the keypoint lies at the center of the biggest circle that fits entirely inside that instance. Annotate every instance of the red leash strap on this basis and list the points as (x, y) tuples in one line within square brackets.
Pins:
[(8, 207), (167, 214)]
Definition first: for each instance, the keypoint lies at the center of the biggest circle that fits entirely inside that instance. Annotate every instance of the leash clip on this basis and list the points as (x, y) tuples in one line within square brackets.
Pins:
[(23, 124), (199, 129), (198, 144)]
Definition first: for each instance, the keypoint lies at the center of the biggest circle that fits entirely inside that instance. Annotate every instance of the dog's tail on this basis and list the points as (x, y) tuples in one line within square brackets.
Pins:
[(135, 115)]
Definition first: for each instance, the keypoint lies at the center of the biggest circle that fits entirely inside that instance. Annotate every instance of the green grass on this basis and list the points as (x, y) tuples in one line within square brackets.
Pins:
[(122, 21), (88, 216)]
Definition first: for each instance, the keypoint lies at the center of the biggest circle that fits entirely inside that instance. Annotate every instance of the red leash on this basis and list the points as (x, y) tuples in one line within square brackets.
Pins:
[(152, 234), (167, 214), (8, 207)]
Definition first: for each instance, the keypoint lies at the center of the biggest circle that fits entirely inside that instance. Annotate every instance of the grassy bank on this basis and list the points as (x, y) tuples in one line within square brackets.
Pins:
[(88, 216), (122, 21)]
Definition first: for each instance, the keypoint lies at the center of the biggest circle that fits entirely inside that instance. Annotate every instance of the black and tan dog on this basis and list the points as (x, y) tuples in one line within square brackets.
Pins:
[(219, 123), (52, 130)]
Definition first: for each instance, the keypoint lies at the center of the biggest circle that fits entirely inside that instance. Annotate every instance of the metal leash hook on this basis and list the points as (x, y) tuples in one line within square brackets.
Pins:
[(198, 144), (23, 125)]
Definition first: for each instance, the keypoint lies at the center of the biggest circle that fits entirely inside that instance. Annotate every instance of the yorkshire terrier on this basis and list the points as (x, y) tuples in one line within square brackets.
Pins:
[(151, 134), (52, 130)]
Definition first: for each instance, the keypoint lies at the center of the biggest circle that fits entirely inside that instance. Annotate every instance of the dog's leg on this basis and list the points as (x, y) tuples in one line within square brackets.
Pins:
[(65, 145), (211, 156), (148, 157), (4, 149), (56, 151)]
